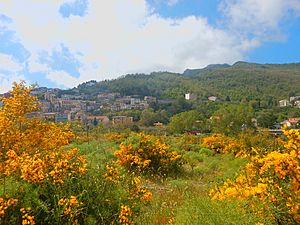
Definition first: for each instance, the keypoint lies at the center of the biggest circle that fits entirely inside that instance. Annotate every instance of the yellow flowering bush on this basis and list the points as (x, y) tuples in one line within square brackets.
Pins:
[(26, 217), (72, 208), (136, 193), (246, 144), (125, 215), (33, 155), (115, 136), (223, 144), (142, 153), (46, 183), (272, 178), (31, 149), (5, 204)]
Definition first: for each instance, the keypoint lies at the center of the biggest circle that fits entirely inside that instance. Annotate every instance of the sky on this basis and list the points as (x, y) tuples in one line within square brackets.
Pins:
[(62, 43)]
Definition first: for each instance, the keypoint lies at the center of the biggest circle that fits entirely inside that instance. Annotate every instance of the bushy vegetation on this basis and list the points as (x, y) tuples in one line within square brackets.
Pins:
[(272, 179), (45, 182), (146, 153), (51, 176)]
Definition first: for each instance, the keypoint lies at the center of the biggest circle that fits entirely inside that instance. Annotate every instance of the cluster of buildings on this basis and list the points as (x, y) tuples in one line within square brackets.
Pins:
[(51, 102), (125, 102), (81, 107), (293, 101)]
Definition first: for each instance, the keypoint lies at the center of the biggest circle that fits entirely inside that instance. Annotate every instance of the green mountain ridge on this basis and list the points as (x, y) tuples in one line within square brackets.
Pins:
[(241, 81)]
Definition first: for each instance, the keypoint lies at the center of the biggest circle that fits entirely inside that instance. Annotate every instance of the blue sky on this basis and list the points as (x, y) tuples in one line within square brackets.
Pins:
[(62, 43)]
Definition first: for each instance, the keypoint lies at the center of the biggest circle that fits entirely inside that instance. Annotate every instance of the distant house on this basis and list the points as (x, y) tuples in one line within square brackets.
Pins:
[(150, 99), (61, 117), (48, 116), (45, 106), (189, 96), (297, 104), (212, 98), (71, 116), (108, 96), (50, 96), (291, 122), (294, 98), (284, 103), (134, 101), (98, 119), (122, 120), (69, 104), (80, 116)]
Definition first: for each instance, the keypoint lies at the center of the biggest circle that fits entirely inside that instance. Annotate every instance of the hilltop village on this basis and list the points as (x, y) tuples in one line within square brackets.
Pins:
[(66, 107), (107, 107)]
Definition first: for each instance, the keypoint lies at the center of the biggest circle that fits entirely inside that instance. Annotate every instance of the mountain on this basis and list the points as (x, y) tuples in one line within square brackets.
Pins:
[(191, 72), (266, 83)]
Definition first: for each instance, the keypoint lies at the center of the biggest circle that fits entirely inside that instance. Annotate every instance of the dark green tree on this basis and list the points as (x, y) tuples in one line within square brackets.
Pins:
[(232, 119), (185, 121)]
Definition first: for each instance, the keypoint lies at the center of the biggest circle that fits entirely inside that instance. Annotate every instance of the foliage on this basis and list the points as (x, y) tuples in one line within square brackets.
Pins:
[(223, 144), (245, 144), (185, 121), (116, 136), (232, 119), (45, 182), (193, 158), (135, 193), (273, 179), (145, 153), (31, 149), (186, 142), (265, 84), (149, 117), (201, 210)]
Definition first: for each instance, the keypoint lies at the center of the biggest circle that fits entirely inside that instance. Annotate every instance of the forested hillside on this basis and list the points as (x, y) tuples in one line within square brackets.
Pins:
[(266, 83), (252, 81)]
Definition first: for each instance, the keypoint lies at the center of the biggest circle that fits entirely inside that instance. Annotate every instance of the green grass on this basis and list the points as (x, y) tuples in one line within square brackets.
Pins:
[(183, 198), (200, 210), (97, 152)]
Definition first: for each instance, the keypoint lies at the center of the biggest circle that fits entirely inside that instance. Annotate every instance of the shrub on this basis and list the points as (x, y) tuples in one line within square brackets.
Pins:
[(193, 158), (223, 144), (146, 153), (272, 179), (43, 182)]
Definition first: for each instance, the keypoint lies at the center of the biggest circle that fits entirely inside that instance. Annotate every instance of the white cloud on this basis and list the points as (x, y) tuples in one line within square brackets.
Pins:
[(8, 64), (172, 2), (119, 37), (60, 77), (257, 17), (10, 71), (6, 81)]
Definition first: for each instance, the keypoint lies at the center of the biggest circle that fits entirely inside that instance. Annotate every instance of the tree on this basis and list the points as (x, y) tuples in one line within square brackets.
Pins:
[(31, 149), (149, 117), (184, 121), (232, 119), (266, 118)]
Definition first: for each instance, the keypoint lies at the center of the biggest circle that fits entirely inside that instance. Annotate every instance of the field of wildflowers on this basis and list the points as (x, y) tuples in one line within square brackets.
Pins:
[(271, 179), (50, 176)]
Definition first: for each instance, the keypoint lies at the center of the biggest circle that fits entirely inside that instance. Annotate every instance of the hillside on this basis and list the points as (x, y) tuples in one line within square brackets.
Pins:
[(241, 81), (252, 81)]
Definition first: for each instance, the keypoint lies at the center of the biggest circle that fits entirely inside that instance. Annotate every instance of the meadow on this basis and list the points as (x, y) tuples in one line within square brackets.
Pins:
[(53, 174)]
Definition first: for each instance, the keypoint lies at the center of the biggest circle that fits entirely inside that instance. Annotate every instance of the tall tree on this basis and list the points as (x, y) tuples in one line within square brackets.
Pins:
[(186, 121), (232, 119)]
